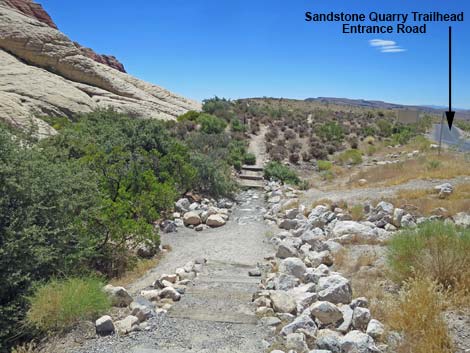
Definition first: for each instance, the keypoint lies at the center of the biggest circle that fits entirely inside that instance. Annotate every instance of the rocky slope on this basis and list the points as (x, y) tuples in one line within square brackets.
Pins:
[(44, 73)]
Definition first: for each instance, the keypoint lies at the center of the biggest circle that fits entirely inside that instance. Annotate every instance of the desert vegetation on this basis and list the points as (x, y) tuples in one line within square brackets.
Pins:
[(83, 202)]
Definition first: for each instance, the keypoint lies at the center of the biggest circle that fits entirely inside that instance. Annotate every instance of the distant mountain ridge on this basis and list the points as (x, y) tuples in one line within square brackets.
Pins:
[(373, 104)]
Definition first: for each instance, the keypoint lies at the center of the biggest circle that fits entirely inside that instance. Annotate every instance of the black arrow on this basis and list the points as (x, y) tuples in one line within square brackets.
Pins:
[(450, 114)]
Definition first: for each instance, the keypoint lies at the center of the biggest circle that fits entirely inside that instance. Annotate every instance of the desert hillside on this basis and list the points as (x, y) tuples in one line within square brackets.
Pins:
[(44, 73)]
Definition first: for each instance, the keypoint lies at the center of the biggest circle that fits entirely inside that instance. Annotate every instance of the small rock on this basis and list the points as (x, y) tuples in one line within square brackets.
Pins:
[(191, 218), (335, 289), (462, 219), (150, 294), (326, 312), (296, 341), (284, 251), (293, 266), (127, 325), (254, 273), (182, 205), (170, 293), (140, 311), (215, 221), (118, 295), (358, 342), (283, 303), (361, 318), (270, 321), (375, 329), (328, 340), (104, 325), (386, 207)]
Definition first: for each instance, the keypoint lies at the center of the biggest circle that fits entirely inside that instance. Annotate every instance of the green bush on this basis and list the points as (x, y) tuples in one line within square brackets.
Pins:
[(324, 165), (59, 304), (237, 125), (211, 124), (213, 177), (250, 159), (331, 132), (351, 156), (189, 116), (280, 172), (438, 250)]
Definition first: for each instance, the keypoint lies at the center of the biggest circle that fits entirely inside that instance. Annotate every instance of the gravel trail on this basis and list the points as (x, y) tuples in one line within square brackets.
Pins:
[(215, 315)]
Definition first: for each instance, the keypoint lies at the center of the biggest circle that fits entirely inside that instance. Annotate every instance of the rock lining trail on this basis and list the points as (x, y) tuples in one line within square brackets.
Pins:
[(215, 314)]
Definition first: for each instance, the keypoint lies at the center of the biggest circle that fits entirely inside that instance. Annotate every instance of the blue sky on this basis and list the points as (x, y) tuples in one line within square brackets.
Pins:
[(248, 48)]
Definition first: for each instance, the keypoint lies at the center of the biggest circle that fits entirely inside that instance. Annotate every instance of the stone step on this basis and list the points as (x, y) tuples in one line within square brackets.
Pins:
[(251, 177), (225, 293), (213, 316), (255, 168), (251, 184)]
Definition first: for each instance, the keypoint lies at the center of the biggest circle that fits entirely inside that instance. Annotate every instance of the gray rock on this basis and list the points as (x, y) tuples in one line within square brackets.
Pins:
[(303, 322), (386, 207), (285, 250), (127, 325), (254, 273), (398, 214), (270, 321), (347, 313), (104, 325), (168, 226), (444, 190), (170, 293), (349, 231), (360, 302), (285, 282), (293, 266), (140, 311), (335, 289), (118, 295), (408, 221), (296, 342), (328, 340), (358, 342), (326, 312), (283, 303), (317, 258), (462, 219), (361, 318), (375, 329), (288, 224), (182, 205)]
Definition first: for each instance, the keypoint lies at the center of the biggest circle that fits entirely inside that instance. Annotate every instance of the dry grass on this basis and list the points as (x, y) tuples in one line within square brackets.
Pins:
[(417, 313), (357, 212), (429, 166), (137, 272), (427, 202), (30, 347)]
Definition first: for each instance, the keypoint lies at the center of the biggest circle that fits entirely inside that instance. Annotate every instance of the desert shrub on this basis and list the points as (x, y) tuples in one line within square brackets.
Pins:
[(421, 143), (416, 313), (220, 107), (350, 157), (330, 132), (280, 172), (327, 175), (435, 249), (294, 158), (213, 177), (385, 127), (250, 159), (59, 304), (306, 157), (371, 150), (464, 125), (402, 137), (237, 125), (324, 165), (211, 124), (290, 134), (433, 164), (318, 152), (189, 116)]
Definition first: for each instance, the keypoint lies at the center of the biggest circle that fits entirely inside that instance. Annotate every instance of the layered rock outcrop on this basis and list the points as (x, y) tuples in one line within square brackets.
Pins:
[(33, 10), (43, 73)]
